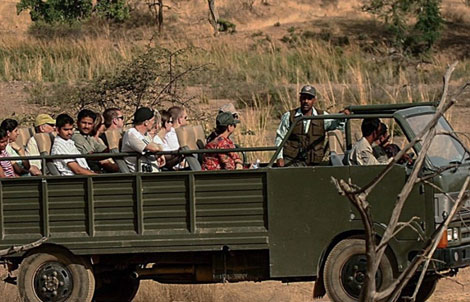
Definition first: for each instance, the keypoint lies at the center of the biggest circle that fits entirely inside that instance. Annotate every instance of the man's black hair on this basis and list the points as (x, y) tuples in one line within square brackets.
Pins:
[(369, 125), (62, 120), (3, 133), (9, 124), (383, 129), (86, 113)]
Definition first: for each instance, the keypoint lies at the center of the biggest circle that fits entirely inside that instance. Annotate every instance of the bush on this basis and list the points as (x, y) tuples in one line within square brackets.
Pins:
[(399, 15), (56, 11), (116, 10)]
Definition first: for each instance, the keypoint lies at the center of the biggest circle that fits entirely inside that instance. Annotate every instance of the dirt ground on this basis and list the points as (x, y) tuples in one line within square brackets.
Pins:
[(455, 289)]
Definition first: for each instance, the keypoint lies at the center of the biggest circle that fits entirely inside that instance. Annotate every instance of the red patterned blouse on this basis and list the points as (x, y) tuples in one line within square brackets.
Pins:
[(218, 161)]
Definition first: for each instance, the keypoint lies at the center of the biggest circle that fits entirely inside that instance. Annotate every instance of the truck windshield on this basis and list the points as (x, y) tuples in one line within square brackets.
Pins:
[(444, 149)]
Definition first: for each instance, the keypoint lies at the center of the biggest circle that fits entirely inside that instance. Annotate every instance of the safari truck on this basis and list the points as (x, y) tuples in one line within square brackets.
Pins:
[(106, 233)]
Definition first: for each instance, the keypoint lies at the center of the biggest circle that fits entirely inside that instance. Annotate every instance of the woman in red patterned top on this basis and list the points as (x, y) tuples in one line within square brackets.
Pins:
[(226, 124)]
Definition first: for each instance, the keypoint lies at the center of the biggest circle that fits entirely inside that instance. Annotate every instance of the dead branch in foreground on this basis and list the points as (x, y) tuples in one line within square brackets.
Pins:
[(358, 197)]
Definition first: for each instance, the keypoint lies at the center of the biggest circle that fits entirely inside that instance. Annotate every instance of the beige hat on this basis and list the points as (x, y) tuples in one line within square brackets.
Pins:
[(228, 108), (43, 119)]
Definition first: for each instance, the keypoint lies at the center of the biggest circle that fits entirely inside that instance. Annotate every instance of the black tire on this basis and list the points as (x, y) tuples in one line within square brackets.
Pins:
[(55, 277), (425, 291), (344, 271), (115, 287)]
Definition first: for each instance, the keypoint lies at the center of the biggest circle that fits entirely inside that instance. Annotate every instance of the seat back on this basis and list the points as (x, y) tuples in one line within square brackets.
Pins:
[(188, 136), (114, 136), (191, 138), (336, 146), (45, 141), (24, 135)]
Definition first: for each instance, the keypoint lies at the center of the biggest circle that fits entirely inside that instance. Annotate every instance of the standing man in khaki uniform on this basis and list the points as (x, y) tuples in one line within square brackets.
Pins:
[(305, 145)]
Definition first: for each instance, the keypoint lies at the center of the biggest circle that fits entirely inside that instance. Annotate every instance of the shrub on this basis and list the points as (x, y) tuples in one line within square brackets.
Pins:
[(56, 11), (116, 10)]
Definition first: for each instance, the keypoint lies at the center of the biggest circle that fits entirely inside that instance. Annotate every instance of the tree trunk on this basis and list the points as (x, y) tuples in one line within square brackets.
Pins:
[(160, 15), (213, 16)]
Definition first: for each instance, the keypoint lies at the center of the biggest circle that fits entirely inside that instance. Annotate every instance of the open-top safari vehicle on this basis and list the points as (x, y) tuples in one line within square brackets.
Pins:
[(107, 232)]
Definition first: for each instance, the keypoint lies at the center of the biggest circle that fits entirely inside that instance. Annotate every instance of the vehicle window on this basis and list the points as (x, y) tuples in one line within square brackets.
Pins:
[(444, 148)]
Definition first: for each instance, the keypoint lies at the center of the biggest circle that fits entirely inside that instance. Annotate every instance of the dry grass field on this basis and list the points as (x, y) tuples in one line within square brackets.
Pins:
[(259, 69)]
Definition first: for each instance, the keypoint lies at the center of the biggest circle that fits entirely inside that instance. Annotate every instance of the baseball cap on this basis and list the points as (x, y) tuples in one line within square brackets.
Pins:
[(143, 114), (229, 107), (309, 90), (43, 119), (225, 119)]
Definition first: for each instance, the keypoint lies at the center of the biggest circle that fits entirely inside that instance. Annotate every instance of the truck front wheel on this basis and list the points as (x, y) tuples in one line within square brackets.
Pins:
[(345, 271), (55, 277)]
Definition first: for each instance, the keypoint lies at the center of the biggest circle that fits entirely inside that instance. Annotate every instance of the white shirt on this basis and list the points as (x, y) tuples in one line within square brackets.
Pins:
[(66, 147), (170, 141), (134, 141), (158, 140)]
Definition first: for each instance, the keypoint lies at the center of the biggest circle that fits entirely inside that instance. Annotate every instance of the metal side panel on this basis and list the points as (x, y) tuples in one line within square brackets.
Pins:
[(305, 213), (127, 213)]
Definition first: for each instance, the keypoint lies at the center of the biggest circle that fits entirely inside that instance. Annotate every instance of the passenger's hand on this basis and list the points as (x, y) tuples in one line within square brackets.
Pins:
[(280, 162), (161, 162), (35, 171)]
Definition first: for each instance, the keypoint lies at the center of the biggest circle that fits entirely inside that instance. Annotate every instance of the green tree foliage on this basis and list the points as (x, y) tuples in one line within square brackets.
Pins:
[(70, 11), (415, 24), (116, 10), (56, 11)]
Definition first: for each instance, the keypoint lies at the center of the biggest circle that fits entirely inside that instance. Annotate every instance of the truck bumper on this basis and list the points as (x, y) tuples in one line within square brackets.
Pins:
[(453, 257)]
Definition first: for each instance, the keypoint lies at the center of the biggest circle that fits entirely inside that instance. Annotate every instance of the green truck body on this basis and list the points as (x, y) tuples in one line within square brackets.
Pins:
[(215, 226)]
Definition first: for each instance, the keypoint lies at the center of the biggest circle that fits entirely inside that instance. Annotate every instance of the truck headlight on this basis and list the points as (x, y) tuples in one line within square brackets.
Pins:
[(455, 235), (449, 234), (452, 234)]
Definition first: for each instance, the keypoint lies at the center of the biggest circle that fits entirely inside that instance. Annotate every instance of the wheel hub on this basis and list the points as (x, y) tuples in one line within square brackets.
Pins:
[(353, 275), (53, 282)]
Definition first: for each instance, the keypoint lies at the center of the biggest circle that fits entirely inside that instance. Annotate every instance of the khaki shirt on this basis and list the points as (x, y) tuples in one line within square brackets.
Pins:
[(362, 154), (87, 144)]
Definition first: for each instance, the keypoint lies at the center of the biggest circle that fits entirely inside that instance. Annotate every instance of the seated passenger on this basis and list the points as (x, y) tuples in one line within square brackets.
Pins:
[(44, 124), (163, 126), (225, 126), (86, 142), (180, 118), (98, 128), (225, 108), (64, 145), (6, 168), (113, 119), (384, 151), (361, 153), (21, 167), (380, 144), (138, 140)]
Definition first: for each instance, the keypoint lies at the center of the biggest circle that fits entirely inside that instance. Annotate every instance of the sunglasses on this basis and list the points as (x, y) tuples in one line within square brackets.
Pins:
[(120, 117)]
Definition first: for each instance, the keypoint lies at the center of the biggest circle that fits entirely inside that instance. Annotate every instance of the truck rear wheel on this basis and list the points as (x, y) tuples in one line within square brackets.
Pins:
[(55, 277), (345, 269), (115, 287)]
